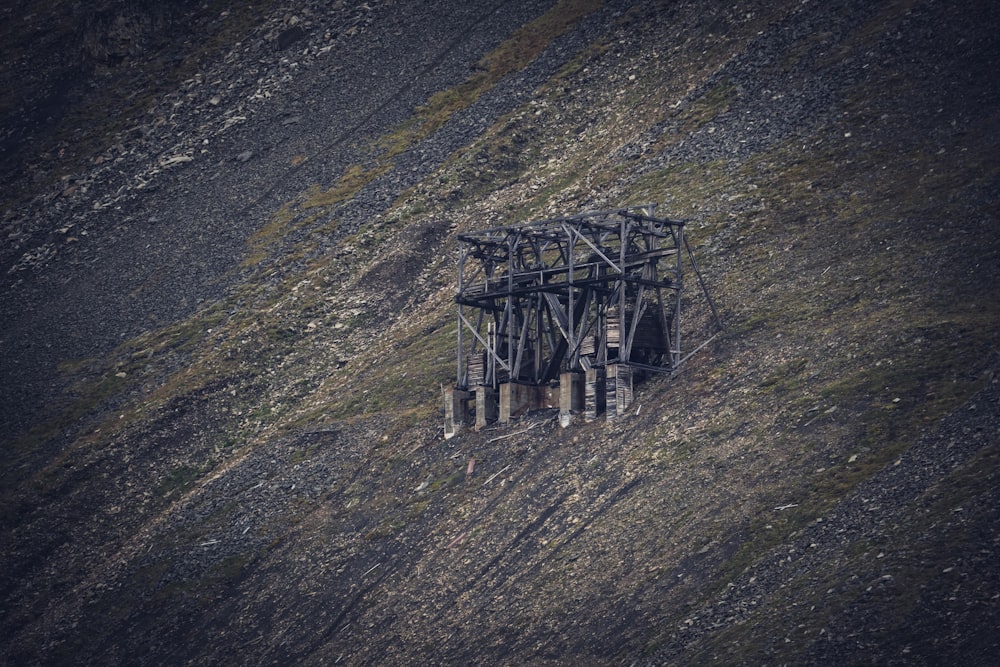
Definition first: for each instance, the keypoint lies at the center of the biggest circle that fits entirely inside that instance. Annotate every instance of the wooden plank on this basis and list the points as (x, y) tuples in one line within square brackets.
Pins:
[(477, 368), (614, 335)]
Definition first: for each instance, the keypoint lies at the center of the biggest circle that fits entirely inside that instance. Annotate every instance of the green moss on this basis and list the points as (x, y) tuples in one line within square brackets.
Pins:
[(268, 234), (686, 187), (785, 378), (178, 481), (447, 481), (351, 182)]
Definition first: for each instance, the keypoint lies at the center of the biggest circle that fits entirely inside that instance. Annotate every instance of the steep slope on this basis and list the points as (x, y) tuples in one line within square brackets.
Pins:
[(263, 480)]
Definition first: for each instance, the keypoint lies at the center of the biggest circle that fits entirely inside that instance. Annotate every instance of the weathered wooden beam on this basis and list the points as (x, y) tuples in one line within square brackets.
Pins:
[(573, 294)]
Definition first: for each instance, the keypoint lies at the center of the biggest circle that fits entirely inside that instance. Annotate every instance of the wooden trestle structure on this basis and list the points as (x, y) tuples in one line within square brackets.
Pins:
[(566, 313)]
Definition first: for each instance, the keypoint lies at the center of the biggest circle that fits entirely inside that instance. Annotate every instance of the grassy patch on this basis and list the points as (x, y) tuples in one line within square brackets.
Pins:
[(178, 481), (272, 231), (410, 378), (354, 178), (685, 187)]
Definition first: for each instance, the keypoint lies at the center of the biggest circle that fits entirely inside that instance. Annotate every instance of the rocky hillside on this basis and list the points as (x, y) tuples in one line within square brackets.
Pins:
[(227, 279)]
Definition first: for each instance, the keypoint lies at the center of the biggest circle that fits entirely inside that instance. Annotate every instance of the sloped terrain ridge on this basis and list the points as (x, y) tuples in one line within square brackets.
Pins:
[(228, 274)]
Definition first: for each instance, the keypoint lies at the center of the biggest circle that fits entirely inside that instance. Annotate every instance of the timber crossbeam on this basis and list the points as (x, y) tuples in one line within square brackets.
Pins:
[(556, 305)]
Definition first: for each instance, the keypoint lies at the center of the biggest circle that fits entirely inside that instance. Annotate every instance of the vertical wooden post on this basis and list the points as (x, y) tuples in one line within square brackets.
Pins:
[(594, 394)]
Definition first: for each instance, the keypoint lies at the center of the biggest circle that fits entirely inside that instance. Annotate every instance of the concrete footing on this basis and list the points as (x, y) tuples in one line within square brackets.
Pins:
[(517, 399), (571, 397), (599, 391), (486, 406), (456, 411)]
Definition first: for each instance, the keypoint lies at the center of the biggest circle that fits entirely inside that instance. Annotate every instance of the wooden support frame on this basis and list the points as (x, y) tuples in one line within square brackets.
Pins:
[(538, 298)]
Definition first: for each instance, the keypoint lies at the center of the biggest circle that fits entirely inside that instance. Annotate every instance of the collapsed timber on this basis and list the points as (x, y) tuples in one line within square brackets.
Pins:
[(570, 313)]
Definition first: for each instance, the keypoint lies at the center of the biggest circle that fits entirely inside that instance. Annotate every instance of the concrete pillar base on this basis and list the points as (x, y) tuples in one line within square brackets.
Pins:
[(571, 397), (486, 407), (456, 411)]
